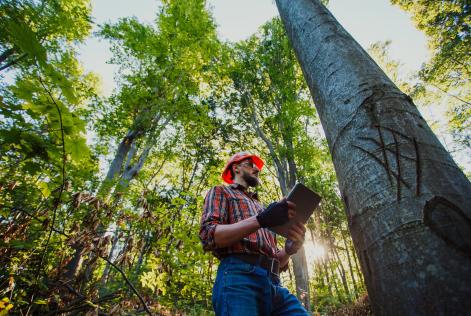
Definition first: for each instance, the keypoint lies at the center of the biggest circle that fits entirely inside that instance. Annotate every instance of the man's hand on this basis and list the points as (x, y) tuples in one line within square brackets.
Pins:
[(277, 213), (228, 234), (295, 238)]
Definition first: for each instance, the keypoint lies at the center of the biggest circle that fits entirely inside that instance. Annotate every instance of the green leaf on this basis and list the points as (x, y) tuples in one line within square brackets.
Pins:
[(23, 37), (21, 244), (77, 148), (44, 188)]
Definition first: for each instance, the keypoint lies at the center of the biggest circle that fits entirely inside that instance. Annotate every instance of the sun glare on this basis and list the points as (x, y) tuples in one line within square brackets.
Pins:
[(314, 251)]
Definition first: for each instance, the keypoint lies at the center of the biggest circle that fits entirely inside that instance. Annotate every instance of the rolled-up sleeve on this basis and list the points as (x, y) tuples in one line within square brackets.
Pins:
[(214, 213)]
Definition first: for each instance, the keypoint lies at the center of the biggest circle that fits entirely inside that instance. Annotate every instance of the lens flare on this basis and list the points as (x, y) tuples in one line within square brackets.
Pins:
[(314, 251)]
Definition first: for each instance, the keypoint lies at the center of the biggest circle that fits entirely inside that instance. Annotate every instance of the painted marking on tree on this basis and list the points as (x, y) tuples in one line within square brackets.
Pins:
[(395, 149), (398, 167), (393, 131), (417, 168), (385, 155), (378, 160)]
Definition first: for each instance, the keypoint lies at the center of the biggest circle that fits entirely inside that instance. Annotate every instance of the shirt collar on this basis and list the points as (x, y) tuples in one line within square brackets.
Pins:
[(237, 186)]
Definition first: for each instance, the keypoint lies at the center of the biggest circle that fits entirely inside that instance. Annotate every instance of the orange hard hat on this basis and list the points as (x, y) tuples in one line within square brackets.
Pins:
[(226, 174)]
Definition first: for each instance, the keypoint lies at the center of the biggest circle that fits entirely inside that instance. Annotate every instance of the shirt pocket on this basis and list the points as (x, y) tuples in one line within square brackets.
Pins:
[(240, 208)]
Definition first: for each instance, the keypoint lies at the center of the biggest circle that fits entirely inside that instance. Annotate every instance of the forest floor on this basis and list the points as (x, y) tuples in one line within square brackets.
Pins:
[(361, 307)]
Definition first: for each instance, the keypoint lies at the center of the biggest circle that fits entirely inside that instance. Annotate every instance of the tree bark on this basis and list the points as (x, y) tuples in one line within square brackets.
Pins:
[(116, 165), (114, 243), (74, 265), (408, 204), (127, 148)]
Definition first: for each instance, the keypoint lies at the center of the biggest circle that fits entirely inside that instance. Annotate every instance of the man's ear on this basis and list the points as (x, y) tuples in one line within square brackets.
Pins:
[(235, 168)]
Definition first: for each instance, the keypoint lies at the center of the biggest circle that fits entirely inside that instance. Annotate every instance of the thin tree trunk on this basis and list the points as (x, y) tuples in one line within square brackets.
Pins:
[(334, 281), (319, 274), (142, 253), (356, 261), (13, 62), (278, 164), (350, 267), (300, 269), (74, 265), (408, 203), (333, 277), (301, 276), (343, 275), (130, 171), (116, 165), (7, 53), (327, 277), (114, 243)]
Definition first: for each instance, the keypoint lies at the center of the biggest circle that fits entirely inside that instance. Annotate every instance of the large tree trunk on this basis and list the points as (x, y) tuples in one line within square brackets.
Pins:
[(408, 203)]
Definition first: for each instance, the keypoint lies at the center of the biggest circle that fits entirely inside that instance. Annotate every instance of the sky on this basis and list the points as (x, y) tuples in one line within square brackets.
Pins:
[(368, 21)]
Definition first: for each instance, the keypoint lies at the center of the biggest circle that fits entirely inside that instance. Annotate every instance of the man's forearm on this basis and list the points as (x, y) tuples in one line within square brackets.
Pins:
[(226, 235), (283, 257)]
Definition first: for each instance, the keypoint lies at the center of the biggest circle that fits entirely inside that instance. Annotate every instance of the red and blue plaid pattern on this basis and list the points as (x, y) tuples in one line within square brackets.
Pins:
[(229, 205)]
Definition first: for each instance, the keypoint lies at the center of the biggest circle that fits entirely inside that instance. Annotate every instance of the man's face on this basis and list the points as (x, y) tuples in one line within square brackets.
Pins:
[(249, 172)]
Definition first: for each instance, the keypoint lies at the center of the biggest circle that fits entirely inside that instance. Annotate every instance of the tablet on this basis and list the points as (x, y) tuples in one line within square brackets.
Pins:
[(306, 202)]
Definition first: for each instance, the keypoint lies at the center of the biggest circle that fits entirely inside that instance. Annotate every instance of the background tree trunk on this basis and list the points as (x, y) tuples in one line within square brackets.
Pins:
[(301, 275), (408, 203), (341, 270), (287, 180), (350, 268)]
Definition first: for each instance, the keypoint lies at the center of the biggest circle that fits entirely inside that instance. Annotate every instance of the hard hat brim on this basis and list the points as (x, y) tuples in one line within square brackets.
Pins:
[(226, 174)]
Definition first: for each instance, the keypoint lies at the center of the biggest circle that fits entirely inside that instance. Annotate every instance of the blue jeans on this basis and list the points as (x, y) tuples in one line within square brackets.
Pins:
[(244, 289)]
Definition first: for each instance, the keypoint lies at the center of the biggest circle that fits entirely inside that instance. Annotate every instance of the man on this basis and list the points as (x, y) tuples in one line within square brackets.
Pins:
[(234, 226)]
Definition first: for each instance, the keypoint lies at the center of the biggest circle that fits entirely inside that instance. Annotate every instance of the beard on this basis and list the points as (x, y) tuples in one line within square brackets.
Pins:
[(251, 180)]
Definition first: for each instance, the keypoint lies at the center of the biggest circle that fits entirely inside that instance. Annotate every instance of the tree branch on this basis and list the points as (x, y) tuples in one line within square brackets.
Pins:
[(57, 201), (7, 53), (129, 283), (449, 94), (271, 148), (13, 62)]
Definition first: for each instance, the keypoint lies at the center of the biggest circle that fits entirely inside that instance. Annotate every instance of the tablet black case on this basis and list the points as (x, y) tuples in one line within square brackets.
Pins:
[(306, 202)]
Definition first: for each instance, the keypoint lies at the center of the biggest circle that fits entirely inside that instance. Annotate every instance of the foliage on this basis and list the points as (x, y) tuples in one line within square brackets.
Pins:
[(447, 25), (456, 120), (446, 77), (34, 30)]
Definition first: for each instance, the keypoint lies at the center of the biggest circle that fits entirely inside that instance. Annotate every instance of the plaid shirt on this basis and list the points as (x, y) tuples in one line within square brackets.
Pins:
[(228, 205)]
